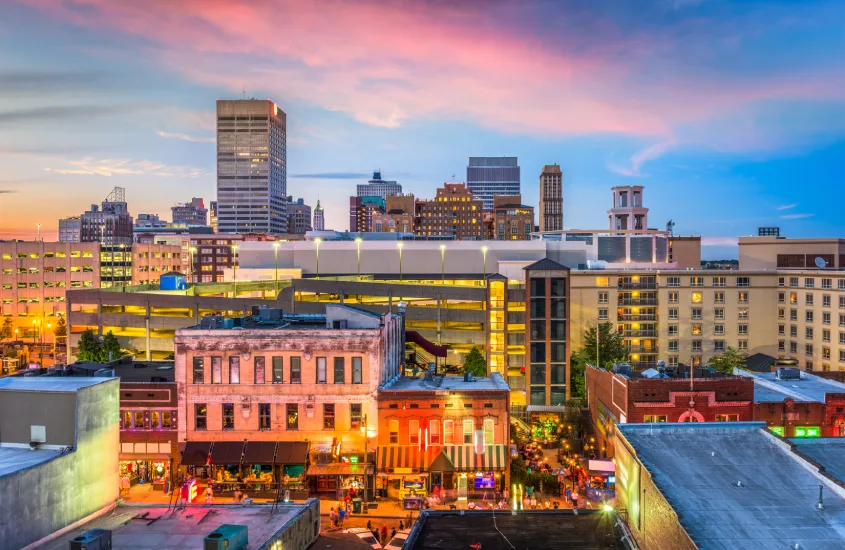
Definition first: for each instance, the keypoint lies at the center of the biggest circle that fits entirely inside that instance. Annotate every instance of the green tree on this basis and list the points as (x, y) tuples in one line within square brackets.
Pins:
[(729, 360), (61, 328), (475, 363), (7, 329), (519, 470), (610, 347), (89, 347), (111, 348)]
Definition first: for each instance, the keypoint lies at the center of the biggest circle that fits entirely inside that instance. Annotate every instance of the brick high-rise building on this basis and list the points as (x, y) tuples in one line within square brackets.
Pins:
[(454, 212), (251, 166), (511, 220), (551, 198), (299, 216), (190, 213), (361, 213), (110, 223)]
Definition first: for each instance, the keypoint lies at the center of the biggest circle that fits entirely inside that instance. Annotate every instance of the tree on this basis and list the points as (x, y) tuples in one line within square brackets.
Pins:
[(475, 363), (611, 347), (111, 348), (7, 330), (519, 470), (729, 360), (89, 347), (61, 328)]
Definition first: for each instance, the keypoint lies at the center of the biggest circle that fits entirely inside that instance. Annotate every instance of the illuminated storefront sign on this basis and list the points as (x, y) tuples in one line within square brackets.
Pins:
[(807, 431)]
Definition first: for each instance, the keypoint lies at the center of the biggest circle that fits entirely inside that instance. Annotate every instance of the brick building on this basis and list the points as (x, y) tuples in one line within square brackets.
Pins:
[(511, 220), (453, 212)]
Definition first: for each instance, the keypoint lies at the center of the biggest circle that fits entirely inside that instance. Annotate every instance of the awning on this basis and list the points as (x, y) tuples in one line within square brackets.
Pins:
[(546, 408), (465, 459), (195, 453), (601, 467), (292, 452), (259, 452), (441, 464), (227, 452), (408, 459), (340, 470), (144, 456)]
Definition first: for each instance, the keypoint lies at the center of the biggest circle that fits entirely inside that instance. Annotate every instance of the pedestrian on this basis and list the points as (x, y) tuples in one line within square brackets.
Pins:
[(526, 502), (393, 533), (342, 515), (331, 518), (209, 494), (401, 525), (568, 494), (533, 503), (383, 534), (574, 499), (505, 495)]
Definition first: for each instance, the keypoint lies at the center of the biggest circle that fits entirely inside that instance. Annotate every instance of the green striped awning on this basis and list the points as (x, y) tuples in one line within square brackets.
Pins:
[(465, 459), (391, 457)]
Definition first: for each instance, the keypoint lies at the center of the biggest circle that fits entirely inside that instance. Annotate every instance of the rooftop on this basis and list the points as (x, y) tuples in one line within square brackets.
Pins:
[(183, 528), (448, 383), (13, 459), (827, 452), (697, 466), (136, 371), (49, 384), (769, 388), (559, 529)]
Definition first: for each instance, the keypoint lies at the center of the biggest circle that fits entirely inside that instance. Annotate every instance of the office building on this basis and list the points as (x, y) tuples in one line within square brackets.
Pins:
[(399, 215), (109, 224), (361, 213), (251, 167), (212, 215), (378, 187), (190, 213), (685, 252), (454, 212), (488, 177), (551, 198), (70, 229), (511, 220), (149, 221), (319, 218), (299, 216)]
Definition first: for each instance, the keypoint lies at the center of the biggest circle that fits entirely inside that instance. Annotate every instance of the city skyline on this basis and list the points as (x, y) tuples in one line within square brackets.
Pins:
[(730, 114)]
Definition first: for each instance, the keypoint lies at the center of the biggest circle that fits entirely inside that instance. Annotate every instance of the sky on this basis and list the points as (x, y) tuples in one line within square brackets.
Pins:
[(730, 113)]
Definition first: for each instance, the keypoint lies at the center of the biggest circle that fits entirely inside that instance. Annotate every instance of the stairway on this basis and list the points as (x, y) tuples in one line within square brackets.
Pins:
[(521, 429)]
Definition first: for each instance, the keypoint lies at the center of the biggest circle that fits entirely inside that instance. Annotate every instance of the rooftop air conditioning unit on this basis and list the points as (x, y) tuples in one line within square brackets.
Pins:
[(93, 539), (788, 374), (226, 537)]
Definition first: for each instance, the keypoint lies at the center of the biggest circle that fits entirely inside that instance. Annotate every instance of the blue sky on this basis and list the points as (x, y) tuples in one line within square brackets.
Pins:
[(732, 114)]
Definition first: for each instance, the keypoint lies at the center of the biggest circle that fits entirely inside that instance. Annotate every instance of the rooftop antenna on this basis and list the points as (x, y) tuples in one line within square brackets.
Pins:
[(670, 226)]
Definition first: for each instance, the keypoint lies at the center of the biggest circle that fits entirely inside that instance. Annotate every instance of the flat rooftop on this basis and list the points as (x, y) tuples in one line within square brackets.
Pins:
[(697, 466), (137, 371), (13, 459), (558, 529), (165, 529), (49, 383), (827, 452), (448, 383), (768, 388)]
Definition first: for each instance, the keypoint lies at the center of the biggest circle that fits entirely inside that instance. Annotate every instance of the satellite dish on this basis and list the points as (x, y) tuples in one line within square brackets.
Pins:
[(820, 263)]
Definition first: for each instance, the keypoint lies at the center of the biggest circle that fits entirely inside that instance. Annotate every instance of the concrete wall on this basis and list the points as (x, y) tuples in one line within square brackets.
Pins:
[(54, 410), (300, 532), (46, 498)]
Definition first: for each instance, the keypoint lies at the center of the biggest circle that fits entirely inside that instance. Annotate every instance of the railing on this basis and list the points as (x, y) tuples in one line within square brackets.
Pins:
[(637, 301), (638, 333), (641, 349), (636, 317), (637, 286)]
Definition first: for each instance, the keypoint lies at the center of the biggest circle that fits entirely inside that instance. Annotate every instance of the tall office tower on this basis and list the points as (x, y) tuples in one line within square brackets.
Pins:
[(551, 198), (299, 216), (212, 215), (628, 212), (251, 166), (489, 177), (110, 224), (378, 187), (319, 218), (190, 213)]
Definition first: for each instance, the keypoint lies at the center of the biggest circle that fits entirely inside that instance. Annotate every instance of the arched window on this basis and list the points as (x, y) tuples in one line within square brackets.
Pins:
[(414, 432), (469, 427), (434, 432), (448, 432), (393, 428)]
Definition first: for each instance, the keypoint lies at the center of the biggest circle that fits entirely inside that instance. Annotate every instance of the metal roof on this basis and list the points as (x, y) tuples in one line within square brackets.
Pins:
[(50, 383), (545, 265), (13, 459), (448, 383), (828, 452), (767, 387)]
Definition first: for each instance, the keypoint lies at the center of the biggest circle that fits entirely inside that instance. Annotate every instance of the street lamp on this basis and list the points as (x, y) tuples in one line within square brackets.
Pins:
[(192, 250), (484, 254), (39, 231), (442, 262), (358, 247), (366, 435), (276, 246), (317, 242), (235, 270), (399, 245)]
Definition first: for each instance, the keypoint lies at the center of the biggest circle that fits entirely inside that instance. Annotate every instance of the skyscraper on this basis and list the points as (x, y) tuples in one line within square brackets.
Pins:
[(551, 198), (319, 220), (190, 213), (378, 187), (251, 166), (299, 216), (488, 177)]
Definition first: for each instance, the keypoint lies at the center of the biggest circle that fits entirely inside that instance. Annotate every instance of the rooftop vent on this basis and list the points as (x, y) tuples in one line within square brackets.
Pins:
[(788, 373)]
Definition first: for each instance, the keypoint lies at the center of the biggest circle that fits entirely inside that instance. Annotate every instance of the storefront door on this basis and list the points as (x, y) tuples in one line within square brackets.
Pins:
[(462, 487)]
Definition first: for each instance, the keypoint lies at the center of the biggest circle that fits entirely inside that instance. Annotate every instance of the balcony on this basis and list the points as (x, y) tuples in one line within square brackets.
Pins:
[(641, 301), (646, 285), (642, 350), (634, 317), (642, 365), (644, 333)]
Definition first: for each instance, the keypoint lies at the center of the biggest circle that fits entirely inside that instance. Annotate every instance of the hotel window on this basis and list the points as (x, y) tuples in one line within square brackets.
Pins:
[(603, 297), (469, 426), (295, 370), (809, 282), (842, 337), (264, 416), (603, 314), (826, 353), (720, 281), (673, 345), (826, 300), (696, 314), (228, 416), (719, 313), (199, 370), (414, 432), (448, 432), (696, 281), (781, 345), (742, 328), (216, 370), (840, 284), (259, 369), (234, 370), (793, 298), (825, 317), (781, 313), (673, 360), (200, 416), (292, 416), (695, 297), (808, 349), (808, 366), (793, 314), (278, 370), (793, 347), (809, 316), (718, 346), (793, 281), (602, 281), (696, 329), (742, 313), (321, 370), (719, 297), (827, 283), (742, 297), (673, 297), (719, 330), (339, 370), (842, 301), (793, 331), (826, 335), (842, 320), (328, 416), (781, 297), (489, 431), (673, 314), (781, 330), (357, 370), (808, 299), (654, 418), (673, 281), (434, 432), (842, 355), (696, 346), (743, 281), (742, 345), (673, 330)]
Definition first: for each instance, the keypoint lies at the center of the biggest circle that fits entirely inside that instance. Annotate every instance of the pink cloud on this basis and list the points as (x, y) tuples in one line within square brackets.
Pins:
[(385, 63)]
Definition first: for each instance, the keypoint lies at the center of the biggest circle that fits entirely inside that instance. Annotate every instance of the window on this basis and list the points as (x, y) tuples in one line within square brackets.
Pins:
[(234, 370), (673, 330), (292, 413), (264, 416), (695, 297), (295, 370), (827, 283), (673, 345), (328, 416), (808, 366), (393, 428), (826, 317), (719, 313), (809, 316), (781, 345), (259, 369), (199, 370), (742, 313), (719, 330), (842, 320), (743, 281), (696, 329), (696, 346), (603, 297), (469, 426), (727, 418), (216, 370), (742, 297), (718, 346), (793, 314), (489, 431), (840, 284), (808, 333), (826, 354), (842, 355), (781, 313), (826, 300), (673, 314), (793, 347), (781, 330), (448, 432), (696, 281), (742, 328), (602, 281), (321, 370), (781, 281), (781, 297), (673, 281), (278, 370), (720, 281), (339, 370), (793, 281), (808, 299), (357, 370), (200, 416), (434, 432), (742, 345), (603, 314), (228, 416), (808, 349), (809, 282), (842, 301), (793, 298), (696, 313), (414, 432), (673, 360), (719, 297), (654, 418), (673, 297), (842, 337)]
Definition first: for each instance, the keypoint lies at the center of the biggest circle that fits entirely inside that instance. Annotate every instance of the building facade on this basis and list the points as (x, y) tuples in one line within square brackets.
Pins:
[(251, 166), (628, 211), (378, 187), (70, 229), (212, 215), (488, 177), (299, 216), (190, 213), (551, 198), (362, 210), (512, 220), (685, 252), (319, 218), (454, 212), (110, 223)]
